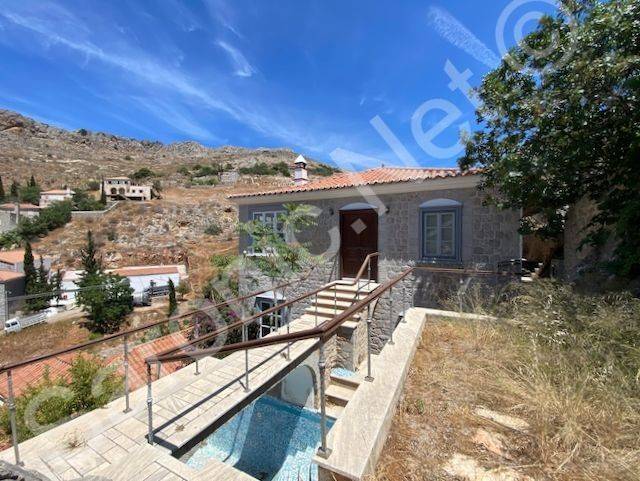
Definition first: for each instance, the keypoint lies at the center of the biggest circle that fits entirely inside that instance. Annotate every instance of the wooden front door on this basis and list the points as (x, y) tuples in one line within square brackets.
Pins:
[(358, 238)]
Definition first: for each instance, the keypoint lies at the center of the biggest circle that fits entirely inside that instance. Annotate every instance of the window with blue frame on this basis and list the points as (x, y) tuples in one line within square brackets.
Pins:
[(441, 230)]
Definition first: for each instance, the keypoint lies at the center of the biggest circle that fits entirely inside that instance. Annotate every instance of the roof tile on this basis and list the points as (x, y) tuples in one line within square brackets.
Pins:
[(380, 175)]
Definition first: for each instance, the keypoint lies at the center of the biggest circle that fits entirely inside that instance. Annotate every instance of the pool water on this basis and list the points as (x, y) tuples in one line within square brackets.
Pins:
[(270, 440)]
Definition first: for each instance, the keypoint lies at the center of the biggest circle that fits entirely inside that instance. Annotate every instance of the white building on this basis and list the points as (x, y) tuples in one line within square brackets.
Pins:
[(141, 278), (48, 197), (10, 214), (118, 188)]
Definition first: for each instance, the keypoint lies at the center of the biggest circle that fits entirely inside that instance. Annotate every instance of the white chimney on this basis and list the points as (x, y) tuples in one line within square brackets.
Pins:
[(300, 176)]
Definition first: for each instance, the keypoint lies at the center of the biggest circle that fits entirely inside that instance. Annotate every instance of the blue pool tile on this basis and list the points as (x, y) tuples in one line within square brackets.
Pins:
[(270, 440)]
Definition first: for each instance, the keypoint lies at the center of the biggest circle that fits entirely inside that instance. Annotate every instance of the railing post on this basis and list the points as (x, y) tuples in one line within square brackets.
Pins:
[(197, 373), (149, 405), (391, 320), (245, 337), (317, 309), (12, 418), (335, 302), (323, 451), (369, 377), (158, 369), (125, 346), (286, 312), (404, 301)]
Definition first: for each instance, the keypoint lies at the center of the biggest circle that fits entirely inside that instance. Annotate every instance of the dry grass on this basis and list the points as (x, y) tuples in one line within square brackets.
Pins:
[(581, 428)]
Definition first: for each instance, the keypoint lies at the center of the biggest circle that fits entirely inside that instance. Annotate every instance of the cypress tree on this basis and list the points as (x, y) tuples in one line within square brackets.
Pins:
[(15, 188), (173, 304), (2, 195), (30, 273), (91, 263), (32, 181)]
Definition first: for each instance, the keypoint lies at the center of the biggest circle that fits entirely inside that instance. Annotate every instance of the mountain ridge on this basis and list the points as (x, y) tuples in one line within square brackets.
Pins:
[(30, 147)]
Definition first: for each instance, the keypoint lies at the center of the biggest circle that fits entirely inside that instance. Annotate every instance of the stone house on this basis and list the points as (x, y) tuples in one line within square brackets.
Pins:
[(123, 188), (424, 217), (48, 197), (11, 213)]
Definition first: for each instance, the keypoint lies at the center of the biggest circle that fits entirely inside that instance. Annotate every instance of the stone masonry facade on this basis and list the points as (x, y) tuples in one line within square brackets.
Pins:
[(488, 236)]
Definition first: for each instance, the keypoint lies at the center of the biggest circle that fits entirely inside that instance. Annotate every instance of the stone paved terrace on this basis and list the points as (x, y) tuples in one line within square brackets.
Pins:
[(113, 444)]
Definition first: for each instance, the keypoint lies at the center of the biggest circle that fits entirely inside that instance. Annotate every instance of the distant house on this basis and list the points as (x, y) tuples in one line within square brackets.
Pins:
[(141, 278), (123, 188), (229, 177), (11, 213), (13, 261), (11, 285), (48, 197)]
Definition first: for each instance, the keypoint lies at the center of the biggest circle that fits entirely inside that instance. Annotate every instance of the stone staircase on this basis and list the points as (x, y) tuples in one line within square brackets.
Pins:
[(335, 299), (339, 392)]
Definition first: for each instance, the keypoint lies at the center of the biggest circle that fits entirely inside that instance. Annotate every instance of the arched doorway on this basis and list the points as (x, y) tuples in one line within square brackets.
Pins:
[(358, 238), (298, 387)]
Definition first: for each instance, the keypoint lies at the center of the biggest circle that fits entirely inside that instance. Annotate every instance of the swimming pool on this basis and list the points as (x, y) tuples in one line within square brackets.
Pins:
[(270, 440)]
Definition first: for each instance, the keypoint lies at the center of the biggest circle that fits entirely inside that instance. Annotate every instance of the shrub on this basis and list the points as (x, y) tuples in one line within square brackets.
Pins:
[(83, 132), (83, 201), (222, 261), (93, 185), (262, 168), (323, 170), (213, 228), (49, 402), (184, 170), (143, 173)]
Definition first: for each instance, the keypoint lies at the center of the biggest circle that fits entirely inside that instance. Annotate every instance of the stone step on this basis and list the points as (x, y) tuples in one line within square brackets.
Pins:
[(353, 288), (340, 295), (339, 394), (333, 410), (351, 381), (331, 302), (324, 312)]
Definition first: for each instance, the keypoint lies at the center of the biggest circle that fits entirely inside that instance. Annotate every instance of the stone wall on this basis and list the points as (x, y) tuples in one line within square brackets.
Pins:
[(488, 236), (578, 259), (4, 308)]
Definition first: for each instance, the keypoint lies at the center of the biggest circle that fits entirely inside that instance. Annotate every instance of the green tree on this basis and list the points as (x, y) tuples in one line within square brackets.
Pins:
[(30, 193), (173, 303), (2, 194), (14, 190), (103, 197), (32, 181), (29, 268), (566, 125), (107, 298)]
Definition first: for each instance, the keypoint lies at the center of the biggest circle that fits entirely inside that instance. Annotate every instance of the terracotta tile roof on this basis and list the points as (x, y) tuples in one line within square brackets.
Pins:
[(60, 366), (137, 355), (380, 175), (12, 257), (23, 206), (32, 374), (145, 271), (57, 192), (9, 275)]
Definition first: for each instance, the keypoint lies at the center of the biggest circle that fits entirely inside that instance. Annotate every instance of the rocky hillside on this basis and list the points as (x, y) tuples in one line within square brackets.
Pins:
[(30, 147)]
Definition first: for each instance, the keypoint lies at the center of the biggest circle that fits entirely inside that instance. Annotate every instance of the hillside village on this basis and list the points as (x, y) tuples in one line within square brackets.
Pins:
[(178, 312)]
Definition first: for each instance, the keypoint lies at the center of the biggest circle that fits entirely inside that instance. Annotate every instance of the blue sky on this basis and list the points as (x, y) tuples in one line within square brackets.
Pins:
[(357, 83)]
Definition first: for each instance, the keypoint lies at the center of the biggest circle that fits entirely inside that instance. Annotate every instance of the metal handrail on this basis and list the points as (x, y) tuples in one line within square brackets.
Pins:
[(43, 357), (323, 331), (256, 316)]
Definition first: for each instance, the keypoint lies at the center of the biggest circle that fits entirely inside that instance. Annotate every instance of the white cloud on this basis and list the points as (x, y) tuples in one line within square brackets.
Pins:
[(452, 30), (161, 79), (242, 66)]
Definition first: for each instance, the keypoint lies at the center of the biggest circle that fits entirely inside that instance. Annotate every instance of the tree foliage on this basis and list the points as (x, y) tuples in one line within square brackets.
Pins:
[(107, 298), (566, 125)]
